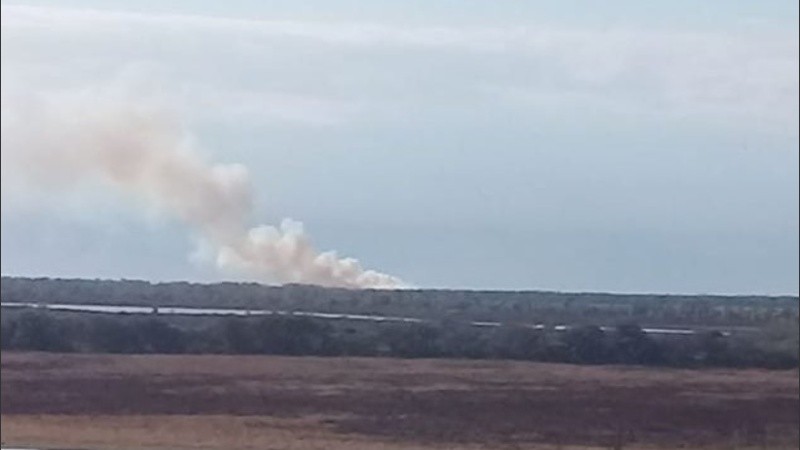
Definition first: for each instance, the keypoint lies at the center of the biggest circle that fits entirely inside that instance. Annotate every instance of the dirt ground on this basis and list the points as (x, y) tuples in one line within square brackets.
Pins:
[(267, 402)]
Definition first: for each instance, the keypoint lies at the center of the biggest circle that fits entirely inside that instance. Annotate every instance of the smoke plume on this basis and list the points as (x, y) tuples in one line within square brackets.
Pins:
[(62, 140)]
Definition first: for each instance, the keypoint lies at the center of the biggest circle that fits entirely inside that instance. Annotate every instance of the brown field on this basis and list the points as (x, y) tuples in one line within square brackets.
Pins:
[(255, 402)]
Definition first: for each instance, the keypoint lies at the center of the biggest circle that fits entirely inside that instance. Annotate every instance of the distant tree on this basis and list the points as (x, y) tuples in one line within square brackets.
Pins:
[(8, 328), (293, 336), (157, 336), (40, 331), (413, 340), (633, 346), (517, 342), (239, 335), (587, 344), (113, 335), (712, 348), (457, 340)]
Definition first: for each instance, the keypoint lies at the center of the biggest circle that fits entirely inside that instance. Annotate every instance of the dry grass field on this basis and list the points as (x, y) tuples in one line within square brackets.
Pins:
[(266, 402)]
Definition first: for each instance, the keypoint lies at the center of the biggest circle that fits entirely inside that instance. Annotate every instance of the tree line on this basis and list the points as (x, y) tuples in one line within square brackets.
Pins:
[(626, 343), (502, 306)]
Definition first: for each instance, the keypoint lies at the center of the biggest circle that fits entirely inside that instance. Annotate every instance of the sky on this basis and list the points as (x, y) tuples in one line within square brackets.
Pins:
[(620, 146)]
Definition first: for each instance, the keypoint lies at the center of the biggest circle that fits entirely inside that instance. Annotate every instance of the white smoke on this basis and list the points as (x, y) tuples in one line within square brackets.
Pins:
[(61, 140)]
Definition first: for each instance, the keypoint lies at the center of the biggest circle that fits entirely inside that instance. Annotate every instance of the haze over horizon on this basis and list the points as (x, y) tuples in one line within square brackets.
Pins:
[(572, 147)]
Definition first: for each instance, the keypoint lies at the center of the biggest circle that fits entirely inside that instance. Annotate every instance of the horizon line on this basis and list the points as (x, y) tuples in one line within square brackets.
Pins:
[(410, 289)]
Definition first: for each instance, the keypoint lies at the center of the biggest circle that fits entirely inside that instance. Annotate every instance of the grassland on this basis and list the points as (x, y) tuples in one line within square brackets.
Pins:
[(268, 402)]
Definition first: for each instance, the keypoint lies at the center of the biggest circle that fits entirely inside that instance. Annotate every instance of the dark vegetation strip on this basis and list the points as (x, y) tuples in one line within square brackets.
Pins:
[(665, 311), (604, 328), (626, 343)]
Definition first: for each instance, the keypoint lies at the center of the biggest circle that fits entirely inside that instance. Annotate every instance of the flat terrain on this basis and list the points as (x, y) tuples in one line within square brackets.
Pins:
[(266, 402)]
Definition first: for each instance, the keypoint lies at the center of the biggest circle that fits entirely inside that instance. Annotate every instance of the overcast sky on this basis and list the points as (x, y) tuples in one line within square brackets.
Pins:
[(621, 146)]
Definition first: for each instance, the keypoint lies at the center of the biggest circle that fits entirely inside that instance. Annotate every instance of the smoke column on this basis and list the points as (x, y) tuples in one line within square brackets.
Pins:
[(63, 139)]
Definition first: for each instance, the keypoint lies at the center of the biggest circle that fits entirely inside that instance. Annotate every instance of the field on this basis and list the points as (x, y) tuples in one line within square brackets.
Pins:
[(268, 402)]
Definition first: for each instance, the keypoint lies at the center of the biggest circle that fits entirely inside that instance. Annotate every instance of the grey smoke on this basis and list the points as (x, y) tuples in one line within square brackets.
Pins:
[(60, 140)]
